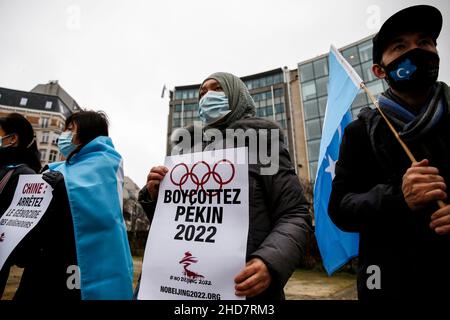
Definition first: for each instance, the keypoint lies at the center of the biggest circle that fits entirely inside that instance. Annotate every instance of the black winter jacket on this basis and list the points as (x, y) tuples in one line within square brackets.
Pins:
[(279, 220), (367, 198)]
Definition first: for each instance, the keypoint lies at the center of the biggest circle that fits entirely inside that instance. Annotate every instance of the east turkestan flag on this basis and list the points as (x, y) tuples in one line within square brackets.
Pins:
[(336, 246)]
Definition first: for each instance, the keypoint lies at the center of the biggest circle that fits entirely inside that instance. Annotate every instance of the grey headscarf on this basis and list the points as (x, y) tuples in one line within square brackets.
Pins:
[(241, 102)]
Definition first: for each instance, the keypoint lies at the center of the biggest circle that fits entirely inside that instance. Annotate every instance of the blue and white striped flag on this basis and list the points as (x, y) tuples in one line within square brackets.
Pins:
[(336, 246)]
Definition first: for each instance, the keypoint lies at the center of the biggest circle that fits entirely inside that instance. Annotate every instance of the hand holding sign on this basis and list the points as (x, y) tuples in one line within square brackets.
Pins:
[(253, 280), (198, 237), (154, 179)]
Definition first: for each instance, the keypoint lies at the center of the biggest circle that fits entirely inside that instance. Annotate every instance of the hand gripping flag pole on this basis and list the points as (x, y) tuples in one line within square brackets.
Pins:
[(411, 157)]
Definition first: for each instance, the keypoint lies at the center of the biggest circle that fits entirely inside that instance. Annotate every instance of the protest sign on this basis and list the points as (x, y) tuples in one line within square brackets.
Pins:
[(31, 200), (198, 236)]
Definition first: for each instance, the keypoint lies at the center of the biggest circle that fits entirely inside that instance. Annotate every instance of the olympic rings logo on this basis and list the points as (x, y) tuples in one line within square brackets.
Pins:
[(200, 182)]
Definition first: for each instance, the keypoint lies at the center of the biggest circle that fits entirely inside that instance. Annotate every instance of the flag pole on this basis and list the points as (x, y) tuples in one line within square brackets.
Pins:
[(411, 157)]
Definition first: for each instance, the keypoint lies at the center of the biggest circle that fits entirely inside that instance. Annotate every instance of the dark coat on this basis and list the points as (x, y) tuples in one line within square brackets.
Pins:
[(278, 219), (367, 198)]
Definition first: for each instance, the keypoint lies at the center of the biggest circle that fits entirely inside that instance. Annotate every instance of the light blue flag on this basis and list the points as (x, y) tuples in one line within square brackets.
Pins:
[(94, 183), (336, 247)]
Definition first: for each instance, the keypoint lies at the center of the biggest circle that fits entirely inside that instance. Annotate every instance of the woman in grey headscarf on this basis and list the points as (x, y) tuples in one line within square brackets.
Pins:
[(278, 217)]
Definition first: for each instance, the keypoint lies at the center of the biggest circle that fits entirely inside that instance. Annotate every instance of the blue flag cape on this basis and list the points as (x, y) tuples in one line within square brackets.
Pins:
[(94, 182)]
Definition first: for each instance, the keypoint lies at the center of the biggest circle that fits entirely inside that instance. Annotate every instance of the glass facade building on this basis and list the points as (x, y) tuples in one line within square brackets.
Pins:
[(313, 75)]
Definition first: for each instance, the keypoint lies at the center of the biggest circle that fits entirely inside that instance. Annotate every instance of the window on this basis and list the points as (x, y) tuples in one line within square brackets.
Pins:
[(279, 108), (313, 150), (376, 87), (321, 68), (322, 106), (279, 116), (43, 153), (311, 110), (358, 70), (262, 82), (48, 105), (306, 72), (55, 139), (45, 136), (351, 55), (313, 169), (365, 51), (308, 90), (312, 129), (360, 100), (176, 123), (322, 86), (262, 112), (44, 122), (367, 73), (278, 92), (278, 78), (178, 95), (53, 155), (23, 101)]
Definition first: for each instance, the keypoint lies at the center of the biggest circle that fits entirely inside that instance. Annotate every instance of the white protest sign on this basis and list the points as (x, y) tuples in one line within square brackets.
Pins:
[(31, 200), (198, 237)]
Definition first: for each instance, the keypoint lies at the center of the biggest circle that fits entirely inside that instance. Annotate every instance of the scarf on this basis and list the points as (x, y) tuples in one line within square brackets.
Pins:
[(414, 125)]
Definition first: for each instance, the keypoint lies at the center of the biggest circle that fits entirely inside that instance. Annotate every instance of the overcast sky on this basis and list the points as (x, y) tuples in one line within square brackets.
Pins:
[(117, 55)]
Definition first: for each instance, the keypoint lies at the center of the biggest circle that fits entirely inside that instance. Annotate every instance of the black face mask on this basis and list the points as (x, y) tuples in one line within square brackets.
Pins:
[(414, 70)]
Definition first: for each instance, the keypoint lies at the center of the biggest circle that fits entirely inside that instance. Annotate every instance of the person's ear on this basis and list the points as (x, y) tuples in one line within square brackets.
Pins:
[(14, 139), (378, 71)]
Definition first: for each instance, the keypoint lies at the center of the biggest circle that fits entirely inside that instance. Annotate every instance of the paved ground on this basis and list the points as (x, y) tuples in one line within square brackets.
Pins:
[(303, 285), (316, 285)]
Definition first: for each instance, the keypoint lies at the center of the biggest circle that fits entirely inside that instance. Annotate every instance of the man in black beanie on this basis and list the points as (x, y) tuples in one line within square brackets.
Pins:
[(404, 250)]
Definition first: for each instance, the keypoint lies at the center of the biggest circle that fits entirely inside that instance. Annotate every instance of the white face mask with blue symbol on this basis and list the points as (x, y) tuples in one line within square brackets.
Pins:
[(213, 106)]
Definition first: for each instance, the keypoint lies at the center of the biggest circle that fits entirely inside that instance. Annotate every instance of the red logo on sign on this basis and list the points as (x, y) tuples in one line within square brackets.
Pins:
[(187, 260), (182, 171)]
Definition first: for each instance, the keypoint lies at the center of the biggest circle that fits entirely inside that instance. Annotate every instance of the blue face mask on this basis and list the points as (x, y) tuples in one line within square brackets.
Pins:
[(212, 106), (65, 144)]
